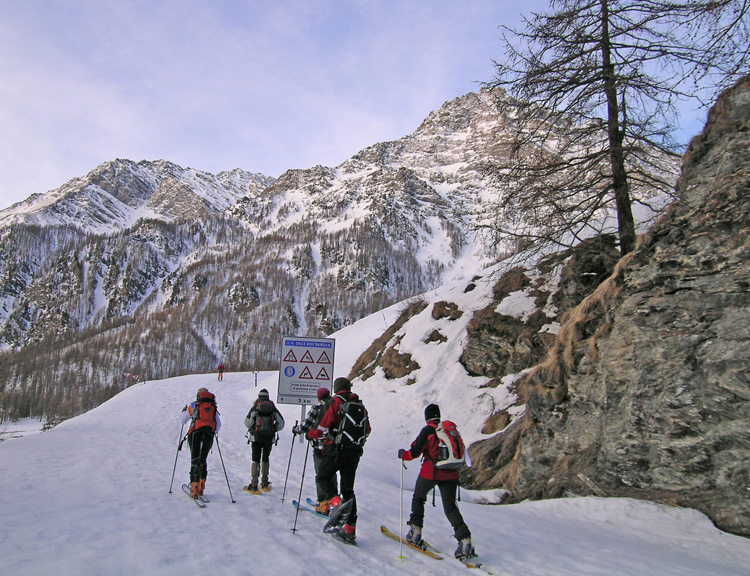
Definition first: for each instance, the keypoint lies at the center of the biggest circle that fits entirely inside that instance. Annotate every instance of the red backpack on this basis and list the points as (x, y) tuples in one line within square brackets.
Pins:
[(204, 413), (451, 453)]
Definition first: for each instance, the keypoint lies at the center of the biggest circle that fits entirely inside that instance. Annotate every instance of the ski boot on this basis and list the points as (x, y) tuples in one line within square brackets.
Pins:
[(323, 507), (414, 536), (194, 488), (465, 549), (347, 534), (252, 488), (265, 485)]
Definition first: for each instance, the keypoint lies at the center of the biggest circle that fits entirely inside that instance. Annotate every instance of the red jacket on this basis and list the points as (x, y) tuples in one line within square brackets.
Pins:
[(330, 419), (426, 445)]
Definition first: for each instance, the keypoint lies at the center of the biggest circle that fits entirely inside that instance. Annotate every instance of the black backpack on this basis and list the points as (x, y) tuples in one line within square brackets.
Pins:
[(265, 418), (351, 430)]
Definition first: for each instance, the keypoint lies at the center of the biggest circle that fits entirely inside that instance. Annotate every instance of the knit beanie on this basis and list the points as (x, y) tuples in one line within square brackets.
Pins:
[(341, 384), (263, 394), (323, 393), (432, 412)]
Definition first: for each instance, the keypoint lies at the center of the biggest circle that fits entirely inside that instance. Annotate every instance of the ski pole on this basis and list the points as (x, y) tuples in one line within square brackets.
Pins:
[(290, 463), (401, 510), (225, 470), (301, 482), (179, 446)]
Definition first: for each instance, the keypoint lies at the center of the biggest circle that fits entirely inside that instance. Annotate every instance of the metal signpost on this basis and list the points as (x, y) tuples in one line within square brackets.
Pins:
[(306, 365)]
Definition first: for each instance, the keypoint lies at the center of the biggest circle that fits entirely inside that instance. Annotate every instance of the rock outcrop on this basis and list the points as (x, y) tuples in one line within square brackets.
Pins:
[(646, 391)]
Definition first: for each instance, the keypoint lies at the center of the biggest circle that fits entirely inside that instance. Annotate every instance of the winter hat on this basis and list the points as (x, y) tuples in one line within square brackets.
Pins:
[(323, 393), (263, 393), (341, 384), (432, 412)]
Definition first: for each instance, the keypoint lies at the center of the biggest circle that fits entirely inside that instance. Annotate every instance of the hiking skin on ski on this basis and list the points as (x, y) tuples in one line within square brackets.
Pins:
[(427, 550), (433, 552)]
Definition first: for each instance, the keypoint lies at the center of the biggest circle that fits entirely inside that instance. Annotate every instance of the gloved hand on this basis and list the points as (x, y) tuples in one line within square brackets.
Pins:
[(185, 408), (295, 430), (401, 452)]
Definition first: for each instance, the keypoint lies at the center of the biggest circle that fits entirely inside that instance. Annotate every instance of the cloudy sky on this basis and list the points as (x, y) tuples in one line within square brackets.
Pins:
[(220, 84), (260, 85)]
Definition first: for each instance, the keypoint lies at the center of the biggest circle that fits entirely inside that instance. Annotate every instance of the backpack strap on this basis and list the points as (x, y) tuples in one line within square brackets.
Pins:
[(431, 431), (193, 416)]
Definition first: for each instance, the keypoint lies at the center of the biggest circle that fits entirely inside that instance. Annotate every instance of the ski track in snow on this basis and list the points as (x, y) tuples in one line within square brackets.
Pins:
[(91, 497)]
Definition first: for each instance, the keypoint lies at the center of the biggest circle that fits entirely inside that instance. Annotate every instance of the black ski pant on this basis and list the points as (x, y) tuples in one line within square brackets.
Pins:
[(344, 462), (317, 460), (200, 442), (262, 448), (448, 490)]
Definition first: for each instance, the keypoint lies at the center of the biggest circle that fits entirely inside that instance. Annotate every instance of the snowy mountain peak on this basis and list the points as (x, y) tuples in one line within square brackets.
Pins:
[(196, 260), (116, 194)]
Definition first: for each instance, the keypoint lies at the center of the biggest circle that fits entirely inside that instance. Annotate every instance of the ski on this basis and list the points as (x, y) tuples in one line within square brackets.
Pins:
[(428, 550), (472, 563), (247, 489), (307, 509), (266, 489), (203, 498), (198, 501)]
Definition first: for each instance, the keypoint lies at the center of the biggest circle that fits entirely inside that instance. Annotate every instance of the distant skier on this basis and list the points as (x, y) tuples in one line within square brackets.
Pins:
[(221, 371), (341, 452), (204, 424), (426, 446), (263, 422), (311, 421)]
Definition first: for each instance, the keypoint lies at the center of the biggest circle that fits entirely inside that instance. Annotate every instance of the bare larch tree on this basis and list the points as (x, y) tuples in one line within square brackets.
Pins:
[(594, 89)]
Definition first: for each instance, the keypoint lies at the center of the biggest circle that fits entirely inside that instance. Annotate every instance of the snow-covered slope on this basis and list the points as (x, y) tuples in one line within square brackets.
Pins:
[(92, 495), (152, 241)]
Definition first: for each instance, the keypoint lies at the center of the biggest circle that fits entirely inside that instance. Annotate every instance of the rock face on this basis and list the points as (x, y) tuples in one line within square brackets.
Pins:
[(646, 391)]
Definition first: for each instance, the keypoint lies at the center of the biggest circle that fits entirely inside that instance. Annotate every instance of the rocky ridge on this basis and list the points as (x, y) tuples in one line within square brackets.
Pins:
[(645, 393)]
